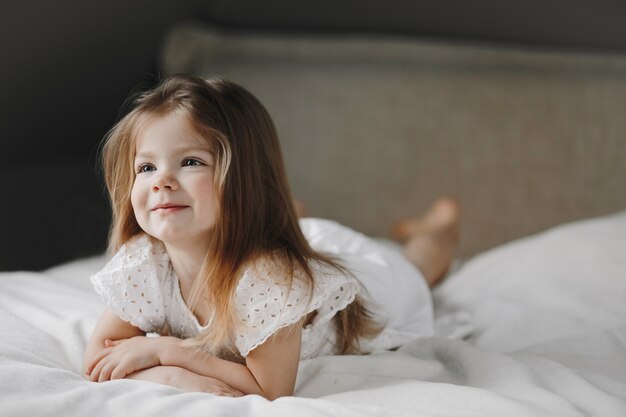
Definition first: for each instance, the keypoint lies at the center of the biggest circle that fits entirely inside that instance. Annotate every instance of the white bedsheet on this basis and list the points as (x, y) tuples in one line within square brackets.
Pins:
[(549, 339)]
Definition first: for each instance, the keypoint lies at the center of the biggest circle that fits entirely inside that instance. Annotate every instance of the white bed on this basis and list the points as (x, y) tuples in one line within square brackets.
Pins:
[(536, 327)]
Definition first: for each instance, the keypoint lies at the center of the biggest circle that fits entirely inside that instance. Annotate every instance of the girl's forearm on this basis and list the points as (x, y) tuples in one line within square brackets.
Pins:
[(159, 374), (235, 375), (185, 380)]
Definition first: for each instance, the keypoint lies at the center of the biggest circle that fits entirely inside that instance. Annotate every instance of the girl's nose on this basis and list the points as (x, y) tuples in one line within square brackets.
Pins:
[(165, 181)]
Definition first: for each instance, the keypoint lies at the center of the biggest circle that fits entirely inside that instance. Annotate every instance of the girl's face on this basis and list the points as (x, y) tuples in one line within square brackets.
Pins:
[(173, 195)]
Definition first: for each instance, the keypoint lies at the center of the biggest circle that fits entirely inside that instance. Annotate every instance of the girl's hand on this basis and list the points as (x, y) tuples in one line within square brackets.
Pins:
[(122, 357), (188, 381)]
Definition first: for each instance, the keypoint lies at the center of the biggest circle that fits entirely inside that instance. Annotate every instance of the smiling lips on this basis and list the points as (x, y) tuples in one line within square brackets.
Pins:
[(168, 207)]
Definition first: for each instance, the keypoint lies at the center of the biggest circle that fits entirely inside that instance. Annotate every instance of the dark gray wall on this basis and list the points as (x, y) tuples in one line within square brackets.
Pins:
[(67, 65), (577, 24)]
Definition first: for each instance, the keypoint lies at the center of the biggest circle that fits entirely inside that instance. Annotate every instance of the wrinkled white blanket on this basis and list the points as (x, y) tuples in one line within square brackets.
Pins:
[(548, 315)]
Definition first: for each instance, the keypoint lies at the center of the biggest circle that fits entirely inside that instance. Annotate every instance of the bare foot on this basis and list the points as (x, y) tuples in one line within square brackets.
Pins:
[(430, 241)]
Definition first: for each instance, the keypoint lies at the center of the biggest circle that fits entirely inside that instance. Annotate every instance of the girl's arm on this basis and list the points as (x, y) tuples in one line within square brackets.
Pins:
[(270, 369), (185, 380), (111, 327)]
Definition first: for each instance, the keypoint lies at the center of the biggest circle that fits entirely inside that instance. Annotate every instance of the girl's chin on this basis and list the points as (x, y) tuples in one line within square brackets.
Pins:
[(179, 239)]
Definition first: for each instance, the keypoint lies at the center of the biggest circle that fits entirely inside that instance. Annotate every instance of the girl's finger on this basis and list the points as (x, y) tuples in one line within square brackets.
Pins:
[(225, 392), (119, 372), (111, 343), (95, 373), (105, 373), (97, 359)]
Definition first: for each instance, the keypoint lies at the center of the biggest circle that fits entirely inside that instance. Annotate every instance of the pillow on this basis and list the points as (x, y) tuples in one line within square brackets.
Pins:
[(565, 286)]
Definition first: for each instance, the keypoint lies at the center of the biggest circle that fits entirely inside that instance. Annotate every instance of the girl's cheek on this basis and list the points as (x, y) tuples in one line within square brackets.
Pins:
[(137, 201), (136, 196)]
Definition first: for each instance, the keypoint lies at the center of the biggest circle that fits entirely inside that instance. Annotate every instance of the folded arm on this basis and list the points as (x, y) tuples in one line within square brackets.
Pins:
[(118, 349), (185, 380), (111, 327), (270, 369), (140, 358)]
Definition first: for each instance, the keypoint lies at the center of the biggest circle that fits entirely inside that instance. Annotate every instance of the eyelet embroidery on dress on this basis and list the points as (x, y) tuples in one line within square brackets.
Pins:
[(278, 306), (119, 284), (264, 302)]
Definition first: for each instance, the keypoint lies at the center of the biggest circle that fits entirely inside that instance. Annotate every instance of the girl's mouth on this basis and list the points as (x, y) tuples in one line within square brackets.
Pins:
[(168, 208)]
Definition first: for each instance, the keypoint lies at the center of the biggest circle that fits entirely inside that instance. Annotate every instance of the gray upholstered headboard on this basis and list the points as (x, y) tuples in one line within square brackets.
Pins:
[(375, 129)]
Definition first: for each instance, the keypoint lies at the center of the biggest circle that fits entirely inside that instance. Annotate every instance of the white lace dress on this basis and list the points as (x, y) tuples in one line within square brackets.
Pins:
[(140, 286)]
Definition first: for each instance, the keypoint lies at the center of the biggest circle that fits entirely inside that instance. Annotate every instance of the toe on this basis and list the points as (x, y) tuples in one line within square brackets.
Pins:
[(444, 211)]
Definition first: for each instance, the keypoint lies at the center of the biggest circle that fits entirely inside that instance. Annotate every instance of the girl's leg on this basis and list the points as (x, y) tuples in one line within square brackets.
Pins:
[(430, 241)]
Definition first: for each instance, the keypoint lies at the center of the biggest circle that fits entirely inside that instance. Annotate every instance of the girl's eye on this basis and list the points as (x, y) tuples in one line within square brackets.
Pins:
[(145, 168), (190, 162)]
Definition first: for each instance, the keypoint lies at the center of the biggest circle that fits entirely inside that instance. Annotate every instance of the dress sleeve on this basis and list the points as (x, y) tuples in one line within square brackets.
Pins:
[(265, 303), (132, 283)]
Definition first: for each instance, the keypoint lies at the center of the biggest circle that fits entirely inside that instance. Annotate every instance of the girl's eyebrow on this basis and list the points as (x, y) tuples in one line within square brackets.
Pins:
[(181, 150)]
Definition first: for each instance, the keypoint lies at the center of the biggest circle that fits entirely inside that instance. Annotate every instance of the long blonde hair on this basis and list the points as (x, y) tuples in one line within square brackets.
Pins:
[(256, 216)]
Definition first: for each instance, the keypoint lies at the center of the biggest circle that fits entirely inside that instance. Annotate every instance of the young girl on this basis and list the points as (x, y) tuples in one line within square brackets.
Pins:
[(209, 253)]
